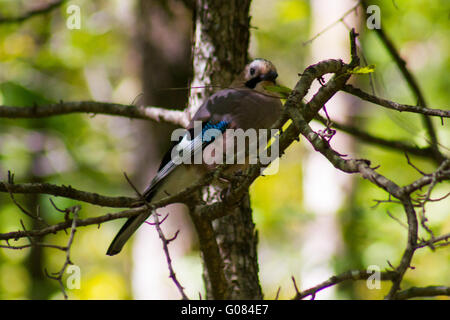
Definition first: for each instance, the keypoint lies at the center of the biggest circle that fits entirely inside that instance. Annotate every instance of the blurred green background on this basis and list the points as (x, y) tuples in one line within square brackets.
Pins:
[(41, 61)]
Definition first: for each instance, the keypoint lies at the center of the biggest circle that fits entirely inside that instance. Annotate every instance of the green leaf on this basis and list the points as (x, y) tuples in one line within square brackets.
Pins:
[(363, 70), (283, 91), (13, 94)]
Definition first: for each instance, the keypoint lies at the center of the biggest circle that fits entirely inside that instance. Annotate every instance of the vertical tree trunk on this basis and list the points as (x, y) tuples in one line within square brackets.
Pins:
[(41, 287), (228, 245)]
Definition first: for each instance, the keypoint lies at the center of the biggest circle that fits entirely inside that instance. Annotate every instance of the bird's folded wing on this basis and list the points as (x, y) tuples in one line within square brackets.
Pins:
[(184, 151)]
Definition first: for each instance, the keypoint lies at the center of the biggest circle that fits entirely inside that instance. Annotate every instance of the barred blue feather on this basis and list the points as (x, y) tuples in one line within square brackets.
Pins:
[(209, 135)]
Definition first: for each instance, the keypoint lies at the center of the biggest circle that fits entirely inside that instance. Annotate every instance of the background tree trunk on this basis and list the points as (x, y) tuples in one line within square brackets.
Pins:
[(326, 189), (228, 245), (163, 43), (41, 287)]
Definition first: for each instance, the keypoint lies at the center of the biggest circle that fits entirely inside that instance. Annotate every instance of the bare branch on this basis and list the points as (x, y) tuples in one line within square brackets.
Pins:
[(412, 165), (435, 242), (39, 11), (34, 244), (405, 262), (175, 117), (278, 293), (341, 19), (415, 292), (58, 275), (412, 83), (164, 240), (334, 280), (138, 208), (395, 145), (68, 192), (165, 243), (137, 205), (393, 105), (441, 174), (67, 224)]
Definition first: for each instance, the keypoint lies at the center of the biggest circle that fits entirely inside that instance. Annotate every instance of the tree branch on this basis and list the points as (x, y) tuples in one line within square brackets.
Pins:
[(415, 292), (67, 224), (435, 242), (412, 83), (408, 253), (42, 10), (441, 174), (334, 280), (175, 117), (164, 240), (73, 228), (396, 145), (393, 105), (68, 192), (137, 206), (403, 194)]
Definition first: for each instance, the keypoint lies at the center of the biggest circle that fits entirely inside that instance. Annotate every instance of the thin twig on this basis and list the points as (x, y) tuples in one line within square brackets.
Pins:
[(394, 105), (58, 275), (412, 83), (435, 241), (334, 280), (395, 145), (278, 293), (341, 19), (164, 240)]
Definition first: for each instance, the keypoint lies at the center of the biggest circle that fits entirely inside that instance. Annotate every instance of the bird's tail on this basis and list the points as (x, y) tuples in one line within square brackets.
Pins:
[(131, 225), (125, 233)]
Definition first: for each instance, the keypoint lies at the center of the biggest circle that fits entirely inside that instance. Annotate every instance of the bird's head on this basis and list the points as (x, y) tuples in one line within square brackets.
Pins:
[(259, 71)]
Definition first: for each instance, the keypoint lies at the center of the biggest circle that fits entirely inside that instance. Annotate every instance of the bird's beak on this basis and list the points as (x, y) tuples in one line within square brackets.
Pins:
[(269, 76)]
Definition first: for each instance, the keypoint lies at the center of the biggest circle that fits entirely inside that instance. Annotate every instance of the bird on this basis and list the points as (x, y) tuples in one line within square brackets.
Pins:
[(246, 104)]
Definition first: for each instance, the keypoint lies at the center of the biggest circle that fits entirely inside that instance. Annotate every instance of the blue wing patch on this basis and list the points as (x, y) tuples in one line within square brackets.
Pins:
[(189, 145), (209, 135)]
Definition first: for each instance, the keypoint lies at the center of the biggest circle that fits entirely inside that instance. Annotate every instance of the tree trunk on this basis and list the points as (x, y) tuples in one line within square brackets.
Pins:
[(41, 287), (228, 245)]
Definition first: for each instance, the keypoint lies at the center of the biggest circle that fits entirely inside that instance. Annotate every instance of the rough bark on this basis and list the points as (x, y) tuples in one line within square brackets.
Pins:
[(228, 244)]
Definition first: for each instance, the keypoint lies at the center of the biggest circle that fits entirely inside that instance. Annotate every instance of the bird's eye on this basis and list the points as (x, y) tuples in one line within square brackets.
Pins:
[(252, 71)]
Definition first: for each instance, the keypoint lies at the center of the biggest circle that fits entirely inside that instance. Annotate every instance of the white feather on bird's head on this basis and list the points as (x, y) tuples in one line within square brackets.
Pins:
[(257, 71), (256, 75)]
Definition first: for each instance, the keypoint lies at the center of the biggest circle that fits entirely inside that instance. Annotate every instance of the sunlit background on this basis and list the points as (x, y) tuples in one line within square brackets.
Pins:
[(313, 222)]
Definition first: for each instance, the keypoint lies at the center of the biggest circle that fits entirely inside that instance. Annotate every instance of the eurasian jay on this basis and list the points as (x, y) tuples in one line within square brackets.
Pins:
[(246, 104)]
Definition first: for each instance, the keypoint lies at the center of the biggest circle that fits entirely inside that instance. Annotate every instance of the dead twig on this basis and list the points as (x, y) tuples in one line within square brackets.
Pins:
[(164, 240), (58, 275)]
